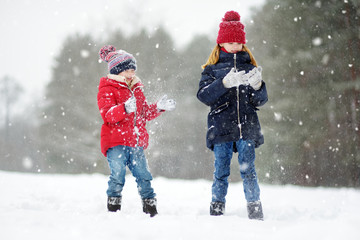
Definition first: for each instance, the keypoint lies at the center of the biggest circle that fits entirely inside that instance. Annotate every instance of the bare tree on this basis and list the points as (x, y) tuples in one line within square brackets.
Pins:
[(10, 91)]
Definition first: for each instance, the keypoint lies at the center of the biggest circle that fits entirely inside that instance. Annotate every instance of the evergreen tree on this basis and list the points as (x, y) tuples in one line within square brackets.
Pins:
[(310, 55), (196, 159), (70, 122)]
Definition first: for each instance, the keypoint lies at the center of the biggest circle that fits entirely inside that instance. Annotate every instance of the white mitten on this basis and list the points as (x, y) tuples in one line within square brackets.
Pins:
[(130, 105), (242, 78), (255, 78), (166, 104), (234, 79), (229, 80)]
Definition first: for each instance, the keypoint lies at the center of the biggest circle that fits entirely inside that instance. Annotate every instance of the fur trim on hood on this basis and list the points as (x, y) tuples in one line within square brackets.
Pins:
[(121, 79)]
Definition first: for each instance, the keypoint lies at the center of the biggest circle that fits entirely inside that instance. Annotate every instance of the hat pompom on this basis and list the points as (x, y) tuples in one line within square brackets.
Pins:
[(104, 51), (231, 16)]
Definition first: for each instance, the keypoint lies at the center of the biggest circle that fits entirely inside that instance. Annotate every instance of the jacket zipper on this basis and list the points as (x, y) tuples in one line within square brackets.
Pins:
[(238, 108), (135, 127), (238, 99)]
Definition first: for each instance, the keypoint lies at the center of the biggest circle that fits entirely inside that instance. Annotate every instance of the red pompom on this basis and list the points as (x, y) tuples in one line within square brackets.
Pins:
[(231, 16), (104, 51)]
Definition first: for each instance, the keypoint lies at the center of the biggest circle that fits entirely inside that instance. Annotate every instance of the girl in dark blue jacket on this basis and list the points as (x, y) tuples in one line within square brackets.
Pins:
[(231, 85)]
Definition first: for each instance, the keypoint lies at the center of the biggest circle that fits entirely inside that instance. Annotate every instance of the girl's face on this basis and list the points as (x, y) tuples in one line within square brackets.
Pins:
[(232, 47), (128, 74)]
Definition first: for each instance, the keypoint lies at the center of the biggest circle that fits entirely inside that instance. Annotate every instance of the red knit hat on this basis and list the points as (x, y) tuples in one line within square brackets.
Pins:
[(231, 29)]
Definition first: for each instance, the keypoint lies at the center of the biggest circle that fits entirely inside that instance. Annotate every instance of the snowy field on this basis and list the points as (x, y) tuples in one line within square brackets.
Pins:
[(34, 206)]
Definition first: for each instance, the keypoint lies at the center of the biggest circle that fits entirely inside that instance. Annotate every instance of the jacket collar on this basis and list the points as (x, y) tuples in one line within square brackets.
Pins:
[(241, 57), (122, 80)]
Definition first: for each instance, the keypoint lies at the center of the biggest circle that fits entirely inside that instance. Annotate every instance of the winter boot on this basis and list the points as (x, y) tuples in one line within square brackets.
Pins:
[(217, 208), (255, 210), (149, 206), (114, 204)]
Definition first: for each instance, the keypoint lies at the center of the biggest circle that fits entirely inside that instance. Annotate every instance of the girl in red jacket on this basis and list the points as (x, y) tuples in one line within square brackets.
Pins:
[(124, 110)]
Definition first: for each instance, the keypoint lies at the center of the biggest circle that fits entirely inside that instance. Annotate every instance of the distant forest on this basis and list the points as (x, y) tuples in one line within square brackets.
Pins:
[(310, 54)]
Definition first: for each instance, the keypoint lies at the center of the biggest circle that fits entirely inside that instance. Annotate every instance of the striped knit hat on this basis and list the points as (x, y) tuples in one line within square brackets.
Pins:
[(118, 61), (231, 29)]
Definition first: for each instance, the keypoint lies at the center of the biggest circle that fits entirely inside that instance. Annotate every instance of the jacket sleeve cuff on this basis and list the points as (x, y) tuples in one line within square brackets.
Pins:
[(116, 113), (212, 92)]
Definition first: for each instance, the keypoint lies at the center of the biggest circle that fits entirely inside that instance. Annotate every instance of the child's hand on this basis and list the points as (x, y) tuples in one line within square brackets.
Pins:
[(234, 79), (130, 105), (229, 80), (166, 104), (242, 78), (255, 77)]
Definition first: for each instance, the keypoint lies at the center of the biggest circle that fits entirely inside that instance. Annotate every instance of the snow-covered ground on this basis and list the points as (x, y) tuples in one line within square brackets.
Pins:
[(36, 206)]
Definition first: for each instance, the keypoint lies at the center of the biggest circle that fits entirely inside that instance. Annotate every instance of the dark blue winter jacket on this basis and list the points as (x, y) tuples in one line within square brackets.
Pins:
[(231, 106)]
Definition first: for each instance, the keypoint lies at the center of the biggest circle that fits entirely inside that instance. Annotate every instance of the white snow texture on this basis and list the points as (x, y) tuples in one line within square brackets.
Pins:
[(39, 206)]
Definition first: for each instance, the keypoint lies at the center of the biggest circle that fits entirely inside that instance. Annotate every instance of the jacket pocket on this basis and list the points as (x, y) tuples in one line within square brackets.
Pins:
[(210, 135), (219, 109)]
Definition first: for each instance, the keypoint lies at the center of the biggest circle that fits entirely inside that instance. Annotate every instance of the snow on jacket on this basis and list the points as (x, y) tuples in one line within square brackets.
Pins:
[(119, 127), (232, 110)]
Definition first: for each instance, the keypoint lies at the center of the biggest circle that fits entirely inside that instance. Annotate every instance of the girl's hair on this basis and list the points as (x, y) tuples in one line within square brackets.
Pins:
[(214, 56)]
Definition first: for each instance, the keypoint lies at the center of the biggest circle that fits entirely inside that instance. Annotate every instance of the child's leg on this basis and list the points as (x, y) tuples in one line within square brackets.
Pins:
[(246, 159), (117, 157), (140, 170), (223, 153)]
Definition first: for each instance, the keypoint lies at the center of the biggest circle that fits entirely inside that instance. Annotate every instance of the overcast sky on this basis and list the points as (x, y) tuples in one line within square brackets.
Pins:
[(32, 31)]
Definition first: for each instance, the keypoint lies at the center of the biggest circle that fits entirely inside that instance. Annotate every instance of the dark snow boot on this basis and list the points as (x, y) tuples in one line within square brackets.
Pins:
[(149, 206), (114, 204), (217, 208), (255, 210)]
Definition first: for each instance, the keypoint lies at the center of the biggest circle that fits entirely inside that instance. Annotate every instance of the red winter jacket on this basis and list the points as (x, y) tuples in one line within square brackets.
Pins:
[(120, 128)]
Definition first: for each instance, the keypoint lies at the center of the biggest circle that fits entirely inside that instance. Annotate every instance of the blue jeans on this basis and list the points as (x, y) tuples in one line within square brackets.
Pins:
[(121, 156), (223, 154)]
